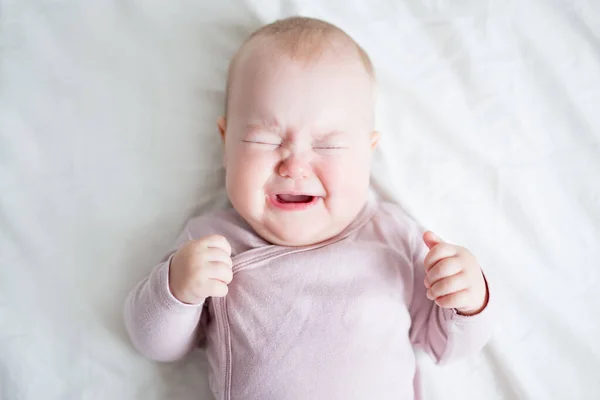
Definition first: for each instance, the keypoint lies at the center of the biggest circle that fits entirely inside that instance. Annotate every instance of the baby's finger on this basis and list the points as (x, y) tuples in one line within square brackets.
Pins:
[(216, 289), (212, 270), (210, 288), (438, 253), (442, 269), (446, 286), (216, 255), (220, 271), (217, 242), (431, 239), (453, 300)]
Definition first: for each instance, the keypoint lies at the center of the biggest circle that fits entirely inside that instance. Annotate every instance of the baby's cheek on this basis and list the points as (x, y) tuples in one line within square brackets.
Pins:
[(346, 174), (244, 184), (252, 170)]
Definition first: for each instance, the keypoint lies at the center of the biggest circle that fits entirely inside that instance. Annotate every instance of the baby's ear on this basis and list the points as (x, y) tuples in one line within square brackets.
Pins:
[(222, 124), (375, 137)]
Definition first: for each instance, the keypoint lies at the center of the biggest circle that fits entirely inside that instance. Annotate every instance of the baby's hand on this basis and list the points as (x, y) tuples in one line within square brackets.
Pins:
[(201, 268), (454, 277)]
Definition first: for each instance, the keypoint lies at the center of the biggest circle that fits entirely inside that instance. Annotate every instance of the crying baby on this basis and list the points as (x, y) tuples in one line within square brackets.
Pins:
[(309, 287)]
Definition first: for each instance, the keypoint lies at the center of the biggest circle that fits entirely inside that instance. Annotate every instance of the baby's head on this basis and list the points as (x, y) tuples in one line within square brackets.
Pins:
[(299, 131)]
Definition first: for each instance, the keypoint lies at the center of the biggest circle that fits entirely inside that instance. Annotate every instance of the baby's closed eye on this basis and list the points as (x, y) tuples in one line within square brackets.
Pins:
[(329, 145), (331, 141), (268, 143), (266, 139)]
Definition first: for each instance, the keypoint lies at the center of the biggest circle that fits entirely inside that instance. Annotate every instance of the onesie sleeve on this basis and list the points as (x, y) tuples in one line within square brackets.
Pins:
[(161, 327), (443, 333)]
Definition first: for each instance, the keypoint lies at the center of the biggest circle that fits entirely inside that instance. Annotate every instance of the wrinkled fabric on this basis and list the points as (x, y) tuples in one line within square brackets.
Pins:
[(335, 320)]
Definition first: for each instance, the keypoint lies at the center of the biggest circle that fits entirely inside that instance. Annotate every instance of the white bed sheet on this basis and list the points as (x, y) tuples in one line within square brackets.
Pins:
[(490, 114)]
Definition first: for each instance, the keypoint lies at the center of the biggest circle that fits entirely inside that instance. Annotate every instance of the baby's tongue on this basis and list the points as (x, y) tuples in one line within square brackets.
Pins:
[(291, 198)]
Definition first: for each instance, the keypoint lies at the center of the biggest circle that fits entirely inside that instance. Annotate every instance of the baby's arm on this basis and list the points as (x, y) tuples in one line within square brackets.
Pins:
[(450, 309), (162, 313), (161, 327)]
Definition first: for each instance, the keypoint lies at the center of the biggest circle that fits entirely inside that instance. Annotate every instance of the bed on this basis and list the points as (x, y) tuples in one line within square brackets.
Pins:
[(490, 117)]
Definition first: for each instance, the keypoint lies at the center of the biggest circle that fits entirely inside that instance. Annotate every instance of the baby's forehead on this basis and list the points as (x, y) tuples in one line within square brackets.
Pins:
[(264, 66), (302, 40), (327, 90)]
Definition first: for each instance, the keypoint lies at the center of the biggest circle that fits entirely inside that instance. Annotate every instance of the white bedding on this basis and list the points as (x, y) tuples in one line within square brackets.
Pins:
[(490, 114)]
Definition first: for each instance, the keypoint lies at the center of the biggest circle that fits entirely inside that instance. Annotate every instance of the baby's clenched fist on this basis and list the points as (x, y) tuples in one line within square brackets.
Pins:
[(453, 277), (201, 268)]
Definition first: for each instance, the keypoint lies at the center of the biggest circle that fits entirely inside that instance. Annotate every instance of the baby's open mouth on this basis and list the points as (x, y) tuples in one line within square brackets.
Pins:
[(295, 198)]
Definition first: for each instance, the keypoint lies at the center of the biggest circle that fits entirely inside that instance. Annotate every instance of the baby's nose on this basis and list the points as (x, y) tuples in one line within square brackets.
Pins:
[(296, 168)]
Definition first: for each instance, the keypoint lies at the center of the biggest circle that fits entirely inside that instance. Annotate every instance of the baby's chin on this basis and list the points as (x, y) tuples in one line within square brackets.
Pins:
[(296, 234)]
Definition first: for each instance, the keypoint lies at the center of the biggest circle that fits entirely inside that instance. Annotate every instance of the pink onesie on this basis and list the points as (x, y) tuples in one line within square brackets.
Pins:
[(335, 320)]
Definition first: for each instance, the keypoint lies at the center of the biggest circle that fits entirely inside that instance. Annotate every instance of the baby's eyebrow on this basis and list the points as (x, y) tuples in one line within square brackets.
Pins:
[(271, 126), (329, 135)]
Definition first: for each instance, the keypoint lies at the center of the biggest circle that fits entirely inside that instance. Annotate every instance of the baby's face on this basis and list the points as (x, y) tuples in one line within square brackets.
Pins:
[(298, 143)]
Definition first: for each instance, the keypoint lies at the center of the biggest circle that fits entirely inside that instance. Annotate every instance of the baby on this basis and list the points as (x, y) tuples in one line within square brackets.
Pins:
[(310, 287)]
